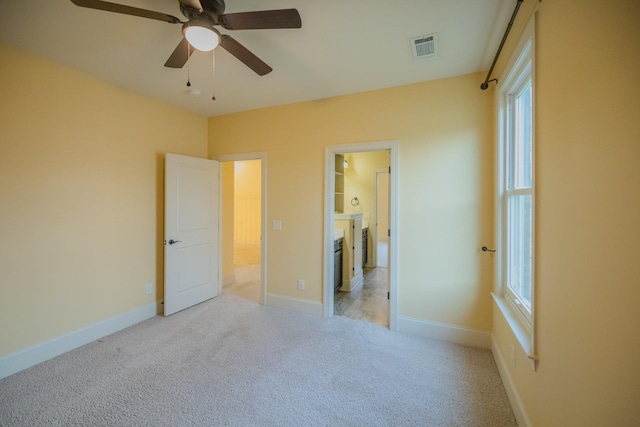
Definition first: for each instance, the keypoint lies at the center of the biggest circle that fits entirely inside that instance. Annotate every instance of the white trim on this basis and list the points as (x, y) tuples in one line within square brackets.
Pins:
[(353, 283), (518, 327), (445, 332), (512, 392), (294, 304), (373, 228), (23, 359), (520, 64), (263, 190), (329, 177)]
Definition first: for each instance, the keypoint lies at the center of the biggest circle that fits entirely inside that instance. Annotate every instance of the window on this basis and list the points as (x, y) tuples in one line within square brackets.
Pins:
[(516, 184), (518, 199)]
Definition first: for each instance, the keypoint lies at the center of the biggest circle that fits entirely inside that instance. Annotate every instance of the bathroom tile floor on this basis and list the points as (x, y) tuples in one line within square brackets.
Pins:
[(368, 303)]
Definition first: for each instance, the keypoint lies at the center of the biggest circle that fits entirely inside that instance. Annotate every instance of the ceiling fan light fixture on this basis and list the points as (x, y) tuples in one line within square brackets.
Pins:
[(201, 37)]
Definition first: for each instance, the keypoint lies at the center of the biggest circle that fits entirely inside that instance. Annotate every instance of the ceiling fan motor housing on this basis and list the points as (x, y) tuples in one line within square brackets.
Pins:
[(201, 20), (211, 9)]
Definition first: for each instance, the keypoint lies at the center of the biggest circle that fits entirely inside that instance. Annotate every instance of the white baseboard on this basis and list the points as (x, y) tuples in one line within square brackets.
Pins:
[(353, 283), (23, 359), (444, 332), (509, 386), (294, 304)]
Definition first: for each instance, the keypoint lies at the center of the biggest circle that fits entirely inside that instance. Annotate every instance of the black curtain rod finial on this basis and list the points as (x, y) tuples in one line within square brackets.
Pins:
[(485, 85)]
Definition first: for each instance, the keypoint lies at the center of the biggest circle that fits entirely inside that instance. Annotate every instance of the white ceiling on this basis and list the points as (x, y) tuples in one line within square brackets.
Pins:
[(344, 46)]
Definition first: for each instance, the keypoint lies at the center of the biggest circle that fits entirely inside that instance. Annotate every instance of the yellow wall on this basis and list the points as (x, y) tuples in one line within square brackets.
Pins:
[(81, 193), (587, 218), (359, 180), (247, 178), (247, 195), (445, 129)]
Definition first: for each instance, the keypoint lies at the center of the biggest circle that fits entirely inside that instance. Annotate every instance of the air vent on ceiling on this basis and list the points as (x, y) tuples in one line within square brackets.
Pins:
[(424, 47)]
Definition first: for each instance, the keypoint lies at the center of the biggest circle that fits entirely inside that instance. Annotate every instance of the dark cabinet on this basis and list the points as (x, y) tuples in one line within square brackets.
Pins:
[(365, 245), (337, 264)]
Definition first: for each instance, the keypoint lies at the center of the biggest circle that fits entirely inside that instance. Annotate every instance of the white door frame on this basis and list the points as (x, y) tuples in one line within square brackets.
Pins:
[(374, 231), (263, 211), (329, 209)]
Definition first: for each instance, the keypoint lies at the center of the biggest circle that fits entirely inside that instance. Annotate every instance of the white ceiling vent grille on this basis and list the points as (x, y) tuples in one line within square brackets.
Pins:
[(424, 47)]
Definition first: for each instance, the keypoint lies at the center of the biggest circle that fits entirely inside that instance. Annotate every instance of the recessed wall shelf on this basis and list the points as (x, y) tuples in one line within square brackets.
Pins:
[(338, 191)]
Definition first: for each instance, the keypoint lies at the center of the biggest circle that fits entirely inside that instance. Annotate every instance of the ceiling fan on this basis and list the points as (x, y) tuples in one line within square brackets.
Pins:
[(199, 32)]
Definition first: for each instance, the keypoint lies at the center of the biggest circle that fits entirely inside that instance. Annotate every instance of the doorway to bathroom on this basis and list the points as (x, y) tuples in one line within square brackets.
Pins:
[(360, 213)]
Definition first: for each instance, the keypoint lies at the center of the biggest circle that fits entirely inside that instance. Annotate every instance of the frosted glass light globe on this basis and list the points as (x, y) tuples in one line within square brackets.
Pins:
[(202, 38)]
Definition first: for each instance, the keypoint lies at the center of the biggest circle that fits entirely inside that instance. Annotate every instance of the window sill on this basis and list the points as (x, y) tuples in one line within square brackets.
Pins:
[(519, 329)]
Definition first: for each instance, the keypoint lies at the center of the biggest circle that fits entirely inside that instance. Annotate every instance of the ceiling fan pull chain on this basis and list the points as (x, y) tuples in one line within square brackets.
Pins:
[(188, 67), (213, 75)]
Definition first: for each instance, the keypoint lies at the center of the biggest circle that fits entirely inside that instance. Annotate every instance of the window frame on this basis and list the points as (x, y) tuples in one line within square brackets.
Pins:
[(519, 72), (509, 190)]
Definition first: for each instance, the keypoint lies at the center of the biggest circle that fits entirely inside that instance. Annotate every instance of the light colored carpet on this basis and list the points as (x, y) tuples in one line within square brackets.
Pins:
[(247, 283), (232, 362)]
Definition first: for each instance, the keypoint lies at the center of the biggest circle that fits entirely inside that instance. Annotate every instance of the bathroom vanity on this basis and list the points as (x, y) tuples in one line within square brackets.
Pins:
[(352, 245)]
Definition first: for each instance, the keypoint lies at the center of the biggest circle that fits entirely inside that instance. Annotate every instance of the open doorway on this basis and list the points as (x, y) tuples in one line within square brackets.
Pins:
[(362, 285), (242, 225), (366, 290)]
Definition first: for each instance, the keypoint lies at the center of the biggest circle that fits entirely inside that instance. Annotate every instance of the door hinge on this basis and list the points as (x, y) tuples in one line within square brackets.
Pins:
[(388, 232), (388, 295)]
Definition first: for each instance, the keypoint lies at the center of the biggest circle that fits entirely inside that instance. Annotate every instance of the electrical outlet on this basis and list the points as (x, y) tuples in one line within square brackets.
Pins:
[(301, 285), (149, 288), (277, 225)]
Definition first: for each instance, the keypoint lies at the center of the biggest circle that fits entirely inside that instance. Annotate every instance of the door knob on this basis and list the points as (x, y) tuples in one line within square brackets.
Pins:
[(173, 242)]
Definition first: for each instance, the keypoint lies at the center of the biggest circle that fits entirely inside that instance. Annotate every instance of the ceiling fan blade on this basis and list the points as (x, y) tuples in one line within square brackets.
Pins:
[(265, 19), (244, 55), (127, 10), (180, 55)]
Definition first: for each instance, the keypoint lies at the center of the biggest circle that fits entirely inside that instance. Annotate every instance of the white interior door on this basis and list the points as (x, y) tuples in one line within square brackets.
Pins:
[(191, 232), (389, 231), (383, 213), (382, 218)]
